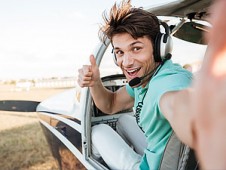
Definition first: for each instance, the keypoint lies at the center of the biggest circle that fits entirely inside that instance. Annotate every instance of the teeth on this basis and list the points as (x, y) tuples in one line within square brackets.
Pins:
[(131, 71)]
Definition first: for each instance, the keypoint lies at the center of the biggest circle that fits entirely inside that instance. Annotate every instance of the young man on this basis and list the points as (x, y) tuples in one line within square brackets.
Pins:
[(155, 83), (197, 116)]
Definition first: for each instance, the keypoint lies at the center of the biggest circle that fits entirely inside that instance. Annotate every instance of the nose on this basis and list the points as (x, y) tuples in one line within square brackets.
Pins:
[(127, 59)]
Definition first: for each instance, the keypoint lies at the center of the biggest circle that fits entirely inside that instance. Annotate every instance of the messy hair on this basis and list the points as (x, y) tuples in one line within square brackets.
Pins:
[(124, 18)]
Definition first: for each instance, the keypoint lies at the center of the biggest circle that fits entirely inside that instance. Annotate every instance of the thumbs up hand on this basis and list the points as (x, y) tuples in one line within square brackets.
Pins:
[(89, 74)]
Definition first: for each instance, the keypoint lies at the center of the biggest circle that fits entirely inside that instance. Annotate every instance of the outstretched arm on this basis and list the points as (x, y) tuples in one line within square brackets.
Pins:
[(198, 115), (209, 100), (176, 107)]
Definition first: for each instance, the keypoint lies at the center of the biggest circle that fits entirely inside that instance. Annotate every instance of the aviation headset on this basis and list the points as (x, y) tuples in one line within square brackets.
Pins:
[(163, 45)]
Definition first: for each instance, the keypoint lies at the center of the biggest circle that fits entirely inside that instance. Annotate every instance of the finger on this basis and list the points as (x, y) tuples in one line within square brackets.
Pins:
[(215, 61), (87, 74), (84, 81), (84, 77), (93, 61), (84, 72), (86, 69), (215, 58), (217, 32), (88, 78)]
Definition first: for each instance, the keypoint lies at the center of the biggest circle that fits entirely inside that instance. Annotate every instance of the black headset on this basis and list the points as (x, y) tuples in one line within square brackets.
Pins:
[(163, 45)]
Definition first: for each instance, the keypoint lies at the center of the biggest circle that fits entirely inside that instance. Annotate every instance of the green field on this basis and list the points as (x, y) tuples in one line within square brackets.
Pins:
[(25, 148)]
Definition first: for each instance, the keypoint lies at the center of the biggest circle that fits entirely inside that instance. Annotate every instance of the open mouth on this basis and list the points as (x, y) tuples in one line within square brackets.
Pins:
[(133, 72)]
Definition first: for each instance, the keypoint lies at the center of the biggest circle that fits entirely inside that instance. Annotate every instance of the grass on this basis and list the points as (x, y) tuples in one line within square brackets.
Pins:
[(23, 147), (22, 143)]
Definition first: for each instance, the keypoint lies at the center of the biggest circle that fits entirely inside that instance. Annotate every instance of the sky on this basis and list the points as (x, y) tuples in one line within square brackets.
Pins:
[(44, 38)]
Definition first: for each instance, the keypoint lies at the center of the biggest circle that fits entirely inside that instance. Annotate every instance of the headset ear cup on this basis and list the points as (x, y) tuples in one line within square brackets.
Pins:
[(166, 46), (157, 48), (163, 45)]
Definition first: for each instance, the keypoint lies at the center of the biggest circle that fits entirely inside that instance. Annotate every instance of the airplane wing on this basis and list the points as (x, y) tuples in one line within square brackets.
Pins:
[(18, 105), (195, 9)]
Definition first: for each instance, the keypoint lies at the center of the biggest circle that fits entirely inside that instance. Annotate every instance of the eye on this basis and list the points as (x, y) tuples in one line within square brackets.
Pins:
[(119, 53), (136, 49)]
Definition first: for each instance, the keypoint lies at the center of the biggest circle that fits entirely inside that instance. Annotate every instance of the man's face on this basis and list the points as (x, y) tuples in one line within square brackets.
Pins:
[(134, 56)]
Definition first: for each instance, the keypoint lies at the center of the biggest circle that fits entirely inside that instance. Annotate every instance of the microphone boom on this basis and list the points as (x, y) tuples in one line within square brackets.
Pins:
[(135, 81)]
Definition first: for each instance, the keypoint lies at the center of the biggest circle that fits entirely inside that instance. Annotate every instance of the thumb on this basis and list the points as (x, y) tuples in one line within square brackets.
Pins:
[(92, 61)]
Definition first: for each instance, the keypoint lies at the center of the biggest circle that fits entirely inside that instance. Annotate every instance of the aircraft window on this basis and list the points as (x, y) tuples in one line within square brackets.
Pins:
[(107, 65), (192, 32)]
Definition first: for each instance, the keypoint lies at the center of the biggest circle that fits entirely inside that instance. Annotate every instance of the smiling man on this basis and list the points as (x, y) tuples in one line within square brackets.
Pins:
[(143, 54), (134, 56)]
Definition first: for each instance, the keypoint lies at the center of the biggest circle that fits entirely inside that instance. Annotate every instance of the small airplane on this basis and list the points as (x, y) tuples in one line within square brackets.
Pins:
[(67, 118)]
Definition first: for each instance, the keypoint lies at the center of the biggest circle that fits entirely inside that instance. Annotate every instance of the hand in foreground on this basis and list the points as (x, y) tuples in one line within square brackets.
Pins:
[(89, 74), (209, 99)]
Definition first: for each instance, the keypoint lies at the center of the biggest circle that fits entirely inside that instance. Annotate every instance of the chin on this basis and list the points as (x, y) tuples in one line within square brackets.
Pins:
[(128, 77)]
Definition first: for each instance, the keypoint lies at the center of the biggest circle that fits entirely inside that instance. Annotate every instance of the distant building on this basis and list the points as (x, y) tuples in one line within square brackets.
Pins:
[(55, 82), (62, 82), (24, 85)]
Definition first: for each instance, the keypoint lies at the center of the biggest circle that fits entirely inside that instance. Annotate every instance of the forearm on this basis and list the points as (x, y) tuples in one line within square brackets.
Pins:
[(102, 97), (175, 107)]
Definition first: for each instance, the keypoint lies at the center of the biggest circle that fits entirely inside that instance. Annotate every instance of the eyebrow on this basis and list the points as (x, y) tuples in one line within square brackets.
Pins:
[(132, 44), (136, 42)]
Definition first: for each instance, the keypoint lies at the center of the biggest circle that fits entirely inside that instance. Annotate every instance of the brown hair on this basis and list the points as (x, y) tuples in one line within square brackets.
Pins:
[(124, 18)]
